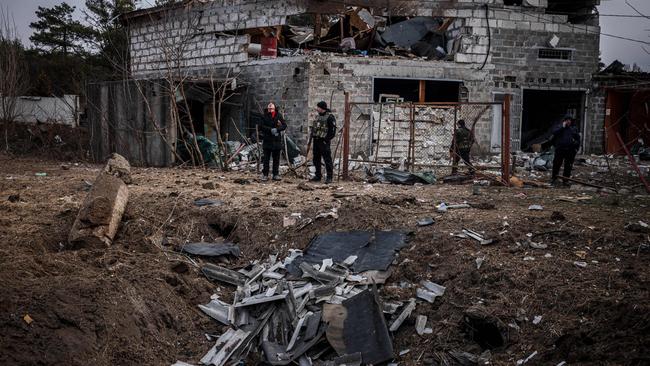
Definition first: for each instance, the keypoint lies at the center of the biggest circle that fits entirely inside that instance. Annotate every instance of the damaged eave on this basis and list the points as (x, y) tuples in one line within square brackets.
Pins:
[(156, 11), (394, 8)]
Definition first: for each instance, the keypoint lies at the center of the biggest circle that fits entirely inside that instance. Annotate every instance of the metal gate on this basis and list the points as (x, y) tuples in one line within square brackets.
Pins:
[(420, 136)]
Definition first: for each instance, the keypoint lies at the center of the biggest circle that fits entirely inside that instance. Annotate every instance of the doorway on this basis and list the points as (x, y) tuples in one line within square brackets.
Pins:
[(543, 110)]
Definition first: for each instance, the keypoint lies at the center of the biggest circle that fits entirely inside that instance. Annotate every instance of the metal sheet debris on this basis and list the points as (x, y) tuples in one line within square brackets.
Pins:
[(211, 249), (406, 312), (375, 250), (351, 323), (207, 202)]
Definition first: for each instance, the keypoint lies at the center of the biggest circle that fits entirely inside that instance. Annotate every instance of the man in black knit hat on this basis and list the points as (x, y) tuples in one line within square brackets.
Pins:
[(323, 130)]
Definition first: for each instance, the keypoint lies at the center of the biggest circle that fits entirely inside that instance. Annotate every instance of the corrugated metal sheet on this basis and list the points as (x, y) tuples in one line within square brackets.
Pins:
[(133, 119)]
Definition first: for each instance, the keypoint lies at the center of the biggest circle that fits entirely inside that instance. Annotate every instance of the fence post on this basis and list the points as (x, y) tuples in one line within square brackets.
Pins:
[(410, 163), (505, 141), (346, 137)]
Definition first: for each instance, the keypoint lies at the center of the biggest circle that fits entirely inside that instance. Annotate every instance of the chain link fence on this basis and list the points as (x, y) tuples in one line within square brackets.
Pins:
[(419, 136)]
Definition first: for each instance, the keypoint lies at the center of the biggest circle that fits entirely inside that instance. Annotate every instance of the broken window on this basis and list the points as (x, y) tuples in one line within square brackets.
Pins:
[(357, 31), (413, 90), (578, 12), (554, 54)]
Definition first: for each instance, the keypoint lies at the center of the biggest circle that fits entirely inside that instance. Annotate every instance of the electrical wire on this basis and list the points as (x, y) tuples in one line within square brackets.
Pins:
[(573, 26), (487, 20)]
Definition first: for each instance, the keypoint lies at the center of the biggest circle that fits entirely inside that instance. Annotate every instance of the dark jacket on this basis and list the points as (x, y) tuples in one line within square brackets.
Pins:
[(268, 123), (331, 126), (463, 139), (566, 138)]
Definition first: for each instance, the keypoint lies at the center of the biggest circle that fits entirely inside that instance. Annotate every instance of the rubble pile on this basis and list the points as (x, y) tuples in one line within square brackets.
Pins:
[(320, 306)]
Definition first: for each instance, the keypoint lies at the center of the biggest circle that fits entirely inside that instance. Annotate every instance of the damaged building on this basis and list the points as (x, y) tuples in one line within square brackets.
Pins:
[(542, 53)]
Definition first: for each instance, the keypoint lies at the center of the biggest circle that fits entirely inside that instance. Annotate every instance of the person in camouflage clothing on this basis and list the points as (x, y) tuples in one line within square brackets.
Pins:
[(323, 130), (461, 146)]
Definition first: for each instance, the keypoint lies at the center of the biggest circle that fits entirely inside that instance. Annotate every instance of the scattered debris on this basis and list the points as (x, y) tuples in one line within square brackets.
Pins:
[(207, 202), (466, 358), (534, 245), (537, 319), (291, 220), (375, 250), (426, 221), (40, 174), (421, 325), (574, 199), (406, 312), (535, 208), (580, 264), (333, 213), (516, 182), (351, 323), (14, 198), (211, 249), (467, 233), (523, 361), (28, 319), (479, 262), (388, 175), (430, 291)]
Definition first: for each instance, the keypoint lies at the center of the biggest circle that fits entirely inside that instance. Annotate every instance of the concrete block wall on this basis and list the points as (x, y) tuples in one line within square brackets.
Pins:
[(516, 34), (284, 81), (191, 38), (331, 75), (595, 131)]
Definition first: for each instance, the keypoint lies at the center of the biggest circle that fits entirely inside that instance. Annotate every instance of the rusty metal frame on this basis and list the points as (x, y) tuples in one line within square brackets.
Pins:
[(411, 159)]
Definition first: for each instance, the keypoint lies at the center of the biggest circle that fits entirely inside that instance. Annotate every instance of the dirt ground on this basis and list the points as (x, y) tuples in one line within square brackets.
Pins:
[(135, 303)]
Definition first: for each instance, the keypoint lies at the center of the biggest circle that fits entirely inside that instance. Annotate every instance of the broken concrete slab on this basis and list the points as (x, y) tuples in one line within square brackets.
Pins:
[(118, 167), (101, 212)]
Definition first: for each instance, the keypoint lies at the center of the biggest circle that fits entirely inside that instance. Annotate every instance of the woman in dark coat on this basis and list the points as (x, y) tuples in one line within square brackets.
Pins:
[(272, 124)]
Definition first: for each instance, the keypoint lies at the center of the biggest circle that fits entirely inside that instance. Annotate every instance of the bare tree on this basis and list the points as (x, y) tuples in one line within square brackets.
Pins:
[(13, 71)]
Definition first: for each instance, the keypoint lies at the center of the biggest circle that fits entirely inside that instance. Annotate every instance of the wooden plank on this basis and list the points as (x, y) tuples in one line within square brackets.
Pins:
[(422, 96)]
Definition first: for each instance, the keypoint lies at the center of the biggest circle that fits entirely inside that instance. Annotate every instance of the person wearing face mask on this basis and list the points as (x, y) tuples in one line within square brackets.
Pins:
[(271, 127), (323, 130)]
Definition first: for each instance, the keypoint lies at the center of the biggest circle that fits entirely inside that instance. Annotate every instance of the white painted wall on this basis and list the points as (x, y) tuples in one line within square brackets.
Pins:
[(64, 110)]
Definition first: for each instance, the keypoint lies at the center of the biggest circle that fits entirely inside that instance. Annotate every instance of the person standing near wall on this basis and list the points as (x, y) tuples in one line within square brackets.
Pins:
[(461, 146), (566, 140), (271, 127), (323, 130)]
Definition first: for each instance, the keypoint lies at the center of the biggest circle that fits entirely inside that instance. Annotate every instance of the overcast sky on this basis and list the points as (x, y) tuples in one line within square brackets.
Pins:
[(611, 48)]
